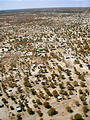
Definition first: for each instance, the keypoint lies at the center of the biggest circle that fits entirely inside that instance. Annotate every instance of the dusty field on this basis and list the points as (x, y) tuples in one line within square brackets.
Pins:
[(45, 64)]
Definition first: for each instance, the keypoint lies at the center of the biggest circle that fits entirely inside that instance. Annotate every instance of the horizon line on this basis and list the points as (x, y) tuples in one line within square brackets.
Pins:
[(40, 8)]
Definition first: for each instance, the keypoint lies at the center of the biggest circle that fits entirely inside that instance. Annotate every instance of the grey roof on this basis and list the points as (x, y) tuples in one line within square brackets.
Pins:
[(18, 109), (87, 64), (1, 104)]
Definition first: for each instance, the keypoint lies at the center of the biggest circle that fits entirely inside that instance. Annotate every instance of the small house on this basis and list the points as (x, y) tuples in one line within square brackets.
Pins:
[(18, 109), (9, 90), (1, 105), (40, 49), (59, 97), (67, 57), (87, 64)]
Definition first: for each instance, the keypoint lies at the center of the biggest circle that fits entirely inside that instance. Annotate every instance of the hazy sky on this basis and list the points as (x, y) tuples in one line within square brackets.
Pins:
[(20, 4)]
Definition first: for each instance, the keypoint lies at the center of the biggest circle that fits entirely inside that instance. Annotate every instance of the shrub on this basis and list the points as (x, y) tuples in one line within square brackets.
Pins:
[(12, 97), (52, 85), (55, 93), (38, 102), (47, 91), (40, 113), (69, 109), (30, 111), (81, 65), (12, 108), (46, 105), (33, 91), (75, 83), (27, 83), (19, 117), (62, 76), (41, 118), (85, 103), (12, 84), (26, 103), (22, 97), (68, 72), (77, 103), (4, 100), (86, 90), (21, 105), (70, 92), (52, 112), (61, 69), (19, 89), (63, 92), (68, 83), (61, 85), (85, 109), (43, 83), (70, 88), (81, 76), (78, 116), (82, 84), (70, 78), (77, 73), (82, 98), (80, 91)]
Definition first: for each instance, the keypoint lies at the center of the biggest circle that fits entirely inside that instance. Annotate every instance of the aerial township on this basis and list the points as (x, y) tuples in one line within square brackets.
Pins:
[(45, 64)]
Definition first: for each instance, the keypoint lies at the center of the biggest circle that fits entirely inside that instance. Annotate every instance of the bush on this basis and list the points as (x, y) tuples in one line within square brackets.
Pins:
[(19, 117), (30, 111), (12, 108), (19, 89), (86, 90), (80, 91), (85, 103), (85, 109), (77, 103), (81, 65), (40, 113), (62, 76), (26, 103), (4, 100), (33, 91), (61, 85), (70, 88), (52, 112), (68, 72), (75, 83), (81, 77), (12, 97), (52, 85), (82, 84), (46, 105), (69, 109), (70, 78), (63, 92), (48, 92), (38, 102), (21, 105), (41, 118), (27, 84), (82, 98), (55, 93), (78, 116), (70, 92)]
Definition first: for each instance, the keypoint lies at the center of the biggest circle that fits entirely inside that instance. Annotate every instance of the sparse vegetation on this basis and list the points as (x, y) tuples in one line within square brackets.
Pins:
[(46, 105), (52, 112), (68, 108), (44, 64), (78, 116)]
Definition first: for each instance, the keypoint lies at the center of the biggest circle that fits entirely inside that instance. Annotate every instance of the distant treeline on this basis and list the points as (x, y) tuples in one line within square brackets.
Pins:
[(40, 10)]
